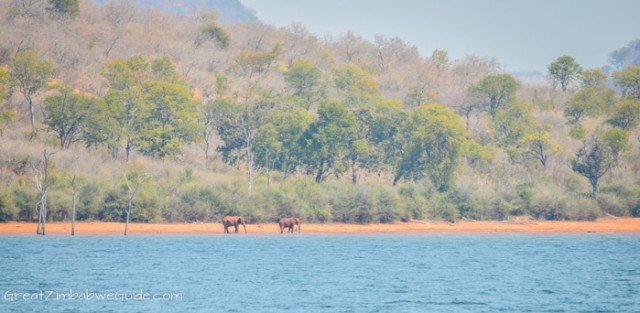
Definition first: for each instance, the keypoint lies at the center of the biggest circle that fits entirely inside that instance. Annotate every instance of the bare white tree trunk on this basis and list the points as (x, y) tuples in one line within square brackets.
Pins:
[(43, 184), (73, 205), (133, 190)]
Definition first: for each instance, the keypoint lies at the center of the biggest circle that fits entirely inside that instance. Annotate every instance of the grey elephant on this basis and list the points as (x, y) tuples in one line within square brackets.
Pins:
[(289, 222), (234, 221)]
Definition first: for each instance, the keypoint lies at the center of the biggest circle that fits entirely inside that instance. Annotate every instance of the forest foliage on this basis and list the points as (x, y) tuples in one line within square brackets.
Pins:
[(250, 119)]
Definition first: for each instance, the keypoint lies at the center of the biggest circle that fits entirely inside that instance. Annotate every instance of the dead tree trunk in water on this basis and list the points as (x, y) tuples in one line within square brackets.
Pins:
[(39, 218), (132, 193), (73, 205), (43, 184)]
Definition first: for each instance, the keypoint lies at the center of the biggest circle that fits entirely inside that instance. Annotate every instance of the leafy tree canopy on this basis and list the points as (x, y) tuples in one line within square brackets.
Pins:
[(68, 8), (564, 70), (593, 161), (327, 141), (589, 101), (626, 114), (29, 75), (304, 80), (629, 81), (71, 116), (497, 90), (433, 137), (215, 32)]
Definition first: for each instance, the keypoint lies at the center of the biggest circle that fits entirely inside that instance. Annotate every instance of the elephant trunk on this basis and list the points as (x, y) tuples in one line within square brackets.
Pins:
[(243, 226)]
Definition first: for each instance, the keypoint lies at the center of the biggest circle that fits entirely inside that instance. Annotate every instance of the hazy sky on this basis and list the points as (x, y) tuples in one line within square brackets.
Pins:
[(523, 35)]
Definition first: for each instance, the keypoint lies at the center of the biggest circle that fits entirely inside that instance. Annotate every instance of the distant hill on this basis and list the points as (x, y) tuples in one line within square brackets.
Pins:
[(228, 10), (531, 78)]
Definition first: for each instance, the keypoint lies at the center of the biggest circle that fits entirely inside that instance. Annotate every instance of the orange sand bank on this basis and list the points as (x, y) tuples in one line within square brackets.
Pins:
[(609, 225)]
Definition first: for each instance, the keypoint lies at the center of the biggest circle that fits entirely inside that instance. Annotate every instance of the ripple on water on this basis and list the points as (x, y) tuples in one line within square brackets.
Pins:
[(391, 273)]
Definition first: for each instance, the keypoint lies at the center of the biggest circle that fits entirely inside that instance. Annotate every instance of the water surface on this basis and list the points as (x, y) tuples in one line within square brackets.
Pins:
[(321, 273)]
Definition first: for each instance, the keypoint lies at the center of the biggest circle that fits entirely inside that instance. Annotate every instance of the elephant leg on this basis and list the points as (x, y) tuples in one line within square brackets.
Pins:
[(236, 228)]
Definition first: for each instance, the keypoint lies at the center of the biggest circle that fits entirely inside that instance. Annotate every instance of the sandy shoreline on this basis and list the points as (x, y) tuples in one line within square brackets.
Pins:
[(609, 225)]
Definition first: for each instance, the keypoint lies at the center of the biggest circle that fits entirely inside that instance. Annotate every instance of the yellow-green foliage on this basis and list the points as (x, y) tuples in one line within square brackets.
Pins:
[(330, 130)]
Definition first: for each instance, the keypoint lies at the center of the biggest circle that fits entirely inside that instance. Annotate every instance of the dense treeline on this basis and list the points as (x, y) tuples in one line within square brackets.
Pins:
[(213, 119)]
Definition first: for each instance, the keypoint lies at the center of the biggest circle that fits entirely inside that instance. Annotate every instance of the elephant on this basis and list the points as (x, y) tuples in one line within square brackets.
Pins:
[(233, 221), (289, 222)]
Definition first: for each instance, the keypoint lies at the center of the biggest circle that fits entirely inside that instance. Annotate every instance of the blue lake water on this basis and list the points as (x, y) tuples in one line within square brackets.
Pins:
[(321, 273)]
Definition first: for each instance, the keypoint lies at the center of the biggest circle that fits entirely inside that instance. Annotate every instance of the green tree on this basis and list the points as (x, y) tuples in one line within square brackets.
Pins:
[(376, 145), (358, 156), (539, 146), (626, 114), (589, 101), (151, 106), (497, 90), (564, 70), (168, 119), (384, 128), (327, 141), (267, 149), (250, 63), (616, 139), (8, 210), (593, 161), (355, 86), (229, 129), (217, 33), (513, 122), (277, 145), (4, 84), (441, 59), (29, 75), (70, 115), (433, 137), (593, 78), (5, 115), (210, 118), (239, 125), (629, 81), (345, 78), (125, 101), (304, 80), (67, 8)]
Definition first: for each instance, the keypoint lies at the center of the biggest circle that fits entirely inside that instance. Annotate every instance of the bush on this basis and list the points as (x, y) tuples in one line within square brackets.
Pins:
[(585, 209), (389, 205), (25, 201), (342, 202), (416, 197), (113, 207), (313, 200), (145, 207), (197, 204), (613, 204), (58, 205), (89, 200), (556, 205), (548, 205), (364, 207), (8, 211)]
